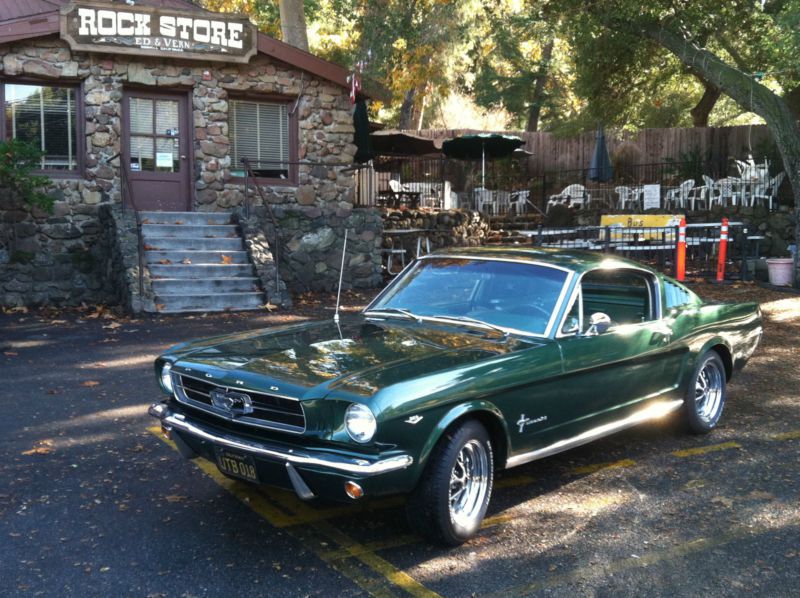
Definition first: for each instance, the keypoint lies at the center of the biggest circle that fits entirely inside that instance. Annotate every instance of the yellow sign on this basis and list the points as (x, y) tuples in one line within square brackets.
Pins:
[(623, 226)]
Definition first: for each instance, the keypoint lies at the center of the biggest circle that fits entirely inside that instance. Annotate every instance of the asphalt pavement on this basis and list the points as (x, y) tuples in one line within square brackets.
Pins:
[(94, 502)]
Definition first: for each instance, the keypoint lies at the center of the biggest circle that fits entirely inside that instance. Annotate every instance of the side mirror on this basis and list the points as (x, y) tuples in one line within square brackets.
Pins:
[(598, 324)]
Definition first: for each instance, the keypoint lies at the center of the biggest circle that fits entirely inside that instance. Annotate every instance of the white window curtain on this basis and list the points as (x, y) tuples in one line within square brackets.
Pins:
[(260, 131)]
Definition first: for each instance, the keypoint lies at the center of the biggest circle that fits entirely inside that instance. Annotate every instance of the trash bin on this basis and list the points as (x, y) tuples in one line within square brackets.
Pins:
[(781, 271)]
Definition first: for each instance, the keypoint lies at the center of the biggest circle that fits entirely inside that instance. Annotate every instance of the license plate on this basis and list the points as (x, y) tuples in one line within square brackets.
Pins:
[(236, 464)]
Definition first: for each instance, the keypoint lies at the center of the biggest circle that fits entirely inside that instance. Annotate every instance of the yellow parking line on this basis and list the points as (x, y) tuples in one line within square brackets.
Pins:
[(792, 435), (513, 482), (711, 448), (584, 469), (584, 574), (398, 577), (261, 506)]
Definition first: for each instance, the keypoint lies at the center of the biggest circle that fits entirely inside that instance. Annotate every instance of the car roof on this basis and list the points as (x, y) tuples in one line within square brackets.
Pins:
[(577, 260)]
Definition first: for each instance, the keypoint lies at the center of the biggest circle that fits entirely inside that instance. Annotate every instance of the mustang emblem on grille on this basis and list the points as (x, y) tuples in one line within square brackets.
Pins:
[(235, 403)]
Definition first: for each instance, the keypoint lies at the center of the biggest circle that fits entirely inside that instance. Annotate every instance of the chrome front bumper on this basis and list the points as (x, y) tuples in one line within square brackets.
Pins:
[(361, 467)]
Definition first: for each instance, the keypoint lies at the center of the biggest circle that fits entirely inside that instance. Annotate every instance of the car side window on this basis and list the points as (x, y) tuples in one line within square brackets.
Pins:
[(625, 296)]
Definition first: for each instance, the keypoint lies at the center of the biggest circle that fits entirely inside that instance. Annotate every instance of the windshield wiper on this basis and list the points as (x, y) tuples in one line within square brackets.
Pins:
[(394, 310), (469, 320)]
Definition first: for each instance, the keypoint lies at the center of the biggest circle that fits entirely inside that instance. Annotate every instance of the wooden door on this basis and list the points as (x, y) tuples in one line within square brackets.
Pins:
[(156, 147)]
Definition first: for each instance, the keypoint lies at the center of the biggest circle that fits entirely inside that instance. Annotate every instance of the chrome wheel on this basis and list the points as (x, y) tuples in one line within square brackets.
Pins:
[(708, 392), (469, 483)]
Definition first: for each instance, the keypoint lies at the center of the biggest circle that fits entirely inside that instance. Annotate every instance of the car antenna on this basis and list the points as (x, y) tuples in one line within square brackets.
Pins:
[(341, 273)]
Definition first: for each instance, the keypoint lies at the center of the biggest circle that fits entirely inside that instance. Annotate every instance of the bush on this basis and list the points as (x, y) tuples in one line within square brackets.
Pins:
[(17, 160)]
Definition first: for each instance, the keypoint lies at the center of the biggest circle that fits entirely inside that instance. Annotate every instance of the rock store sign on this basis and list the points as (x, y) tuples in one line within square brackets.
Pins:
[(156, 32)]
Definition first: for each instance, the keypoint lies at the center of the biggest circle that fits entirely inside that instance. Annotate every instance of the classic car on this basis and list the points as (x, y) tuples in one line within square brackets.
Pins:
[(470, 361)]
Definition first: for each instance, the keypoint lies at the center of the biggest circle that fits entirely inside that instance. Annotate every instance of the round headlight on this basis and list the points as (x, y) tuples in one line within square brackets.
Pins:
[(360, 423), (166, 377)]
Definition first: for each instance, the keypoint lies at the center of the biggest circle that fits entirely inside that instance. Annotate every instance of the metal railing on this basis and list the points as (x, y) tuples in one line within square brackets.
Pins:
[(126, 192), (655, 246)]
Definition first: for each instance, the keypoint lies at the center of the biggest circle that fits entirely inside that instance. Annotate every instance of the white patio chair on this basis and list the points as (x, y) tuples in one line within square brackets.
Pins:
[(483, 199), (727, 189), (627, 196), (519, 201), (573, 195), (676, 198), (771, 192)]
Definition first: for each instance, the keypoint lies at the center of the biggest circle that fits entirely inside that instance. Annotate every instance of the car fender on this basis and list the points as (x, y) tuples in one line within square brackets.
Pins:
[(481, 408), (695, 354)]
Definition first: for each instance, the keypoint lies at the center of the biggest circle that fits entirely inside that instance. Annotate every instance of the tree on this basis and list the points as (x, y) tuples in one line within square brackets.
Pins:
[(681, 28), (293, 23)]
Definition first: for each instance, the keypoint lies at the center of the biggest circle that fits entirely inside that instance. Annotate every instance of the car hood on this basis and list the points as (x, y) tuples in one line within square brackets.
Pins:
[(357, 356)]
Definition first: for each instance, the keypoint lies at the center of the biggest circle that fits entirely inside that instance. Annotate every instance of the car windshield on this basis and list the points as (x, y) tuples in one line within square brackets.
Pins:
[(514, 296)]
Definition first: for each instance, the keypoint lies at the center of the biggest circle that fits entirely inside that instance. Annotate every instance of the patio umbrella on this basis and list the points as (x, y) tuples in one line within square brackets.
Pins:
[(472, 147), (395, 143), (600, 169), (361, 136)]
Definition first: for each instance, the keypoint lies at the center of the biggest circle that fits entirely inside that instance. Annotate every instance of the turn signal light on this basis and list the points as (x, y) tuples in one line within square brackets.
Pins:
[(353, 490)]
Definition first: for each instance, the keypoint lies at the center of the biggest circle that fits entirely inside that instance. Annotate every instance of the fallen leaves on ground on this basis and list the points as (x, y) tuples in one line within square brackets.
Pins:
[(186, 260), (226, 259), (90, 383), (112, 325), (43, 447), (150, 247), (165, 262), (175, 497), (10, 353)]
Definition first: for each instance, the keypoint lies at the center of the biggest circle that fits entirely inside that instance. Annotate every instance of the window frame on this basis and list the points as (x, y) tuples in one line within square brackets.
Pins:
[(293, 179), (654, 290), (80, 122)]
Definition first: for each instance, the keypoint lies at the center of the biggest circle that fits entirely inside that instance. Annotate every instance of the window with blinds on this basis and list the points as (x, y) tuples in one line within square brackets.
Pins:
[(45, 117), (259, 131)]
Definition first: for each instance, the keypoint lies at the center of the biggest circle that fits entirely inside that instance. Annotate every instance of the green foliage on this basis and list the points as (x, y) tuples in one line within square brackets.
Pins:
[(690, 164), (17, 161)]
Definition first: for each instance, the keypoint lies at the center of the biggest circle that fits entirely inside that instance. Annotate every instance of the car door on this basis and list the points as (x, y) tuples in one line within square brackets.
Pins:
[(610, 374)]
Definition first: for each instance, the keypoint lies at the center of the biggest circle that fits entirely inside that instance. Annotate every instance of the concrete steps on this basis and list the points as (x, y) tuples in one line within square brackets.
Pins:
[(198, 263)]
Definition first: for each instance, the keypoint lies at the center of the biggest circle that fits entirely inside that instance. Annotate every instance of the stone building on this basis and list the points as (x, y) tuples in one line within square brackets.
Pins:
[(144, 114)]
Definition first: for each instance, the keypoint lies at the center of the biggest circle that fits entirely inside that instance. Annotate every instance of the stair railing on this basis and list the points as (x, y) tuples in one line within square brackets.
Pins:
[(251, 176), (126, 193)]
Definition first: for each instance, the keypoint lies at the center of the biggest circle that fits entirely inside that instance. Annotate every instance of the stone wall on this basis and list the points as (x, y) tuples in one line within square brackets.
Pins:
[(57, 258), (449, 228), (311, 241)]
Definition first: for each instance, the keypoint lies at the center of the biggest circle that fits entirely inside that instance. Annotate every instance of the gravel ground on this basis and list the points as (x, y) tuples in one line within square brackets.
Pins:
[(94, 504)]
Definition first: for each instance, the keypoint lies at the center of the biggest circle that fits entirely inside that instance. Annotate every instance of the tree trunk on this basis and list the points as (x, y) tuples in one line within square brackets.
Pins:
[(748, 93), (702, 110), (293, 24), (535, 109), (407, 111)]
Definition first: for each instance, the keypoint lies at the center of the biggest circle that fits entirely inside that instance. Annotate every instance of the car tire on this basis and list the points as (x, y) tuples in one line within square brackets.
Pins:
[(705, 395), (450, 501)]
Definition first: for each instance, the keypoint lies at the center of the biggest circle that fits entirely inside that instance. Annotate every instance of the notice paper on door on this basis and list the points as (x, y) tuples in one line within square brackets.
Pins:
[(163, 159)]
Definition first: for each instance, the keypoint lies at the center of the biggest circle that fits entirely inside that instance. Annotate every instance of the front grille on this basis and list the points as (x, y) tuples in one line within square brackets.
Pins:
[(269, 411)]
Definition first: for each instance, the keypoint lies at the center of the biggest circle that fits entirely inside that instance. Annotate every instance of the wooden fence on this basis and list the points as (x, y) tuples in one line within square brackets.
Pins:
[(648, 146)]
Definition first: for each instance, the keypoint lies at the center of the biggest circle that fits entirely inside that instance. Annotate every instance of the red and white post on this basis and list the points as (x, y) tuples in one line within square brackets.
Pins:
[(723, 250), (680, 258)]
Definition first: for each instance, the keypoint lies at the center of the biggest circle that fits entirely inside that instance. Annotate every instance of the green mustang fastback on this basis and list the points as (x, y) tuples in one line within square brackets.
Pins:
[(470, 361)]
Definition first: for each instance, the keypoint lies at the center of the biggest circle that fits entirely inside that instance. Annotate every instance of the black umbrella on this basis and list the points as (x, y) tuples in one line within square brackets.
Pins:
[(473, 147), (600, 169), (361, 137), (395, 143)]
